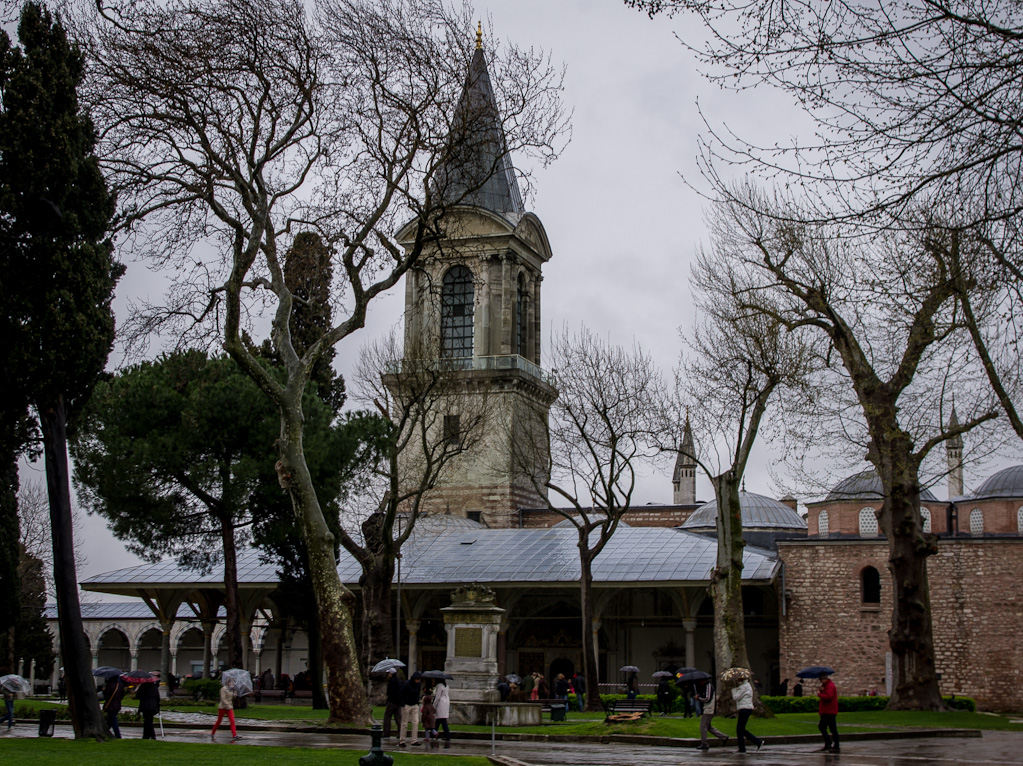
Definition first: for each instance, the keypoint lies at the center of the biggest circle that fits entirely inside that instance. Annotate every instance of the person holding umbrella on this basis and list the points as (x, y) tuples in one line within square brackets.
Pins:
[(113, 694), (742, 693), (827, 708), (9, 707), (393, 708), (705, 695), (148, 696), (226, 707)]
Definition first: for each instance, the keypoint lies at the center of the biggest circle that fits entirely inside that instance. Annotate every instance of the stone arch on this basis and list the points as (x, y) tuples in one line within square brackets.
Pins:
[(870, 585), (868, 523), (113, 647)]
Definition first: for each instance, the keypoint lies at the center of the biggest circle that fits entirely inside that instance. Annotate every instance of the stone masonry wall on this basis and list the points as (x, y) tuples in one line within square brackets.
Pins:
[(977, 606)]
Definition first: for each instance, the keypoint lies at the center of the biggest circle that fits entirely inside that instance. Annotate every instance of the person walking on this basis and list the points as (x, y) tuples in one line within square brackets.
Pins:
[(827, 708), (8, 708), (410, 710), (428, 715), (743, 696), (579, 686), (226, 707), (442, 706), (705, 695), (664, 696), (632, 686), (393, 706), (148, 696), (113, 694)]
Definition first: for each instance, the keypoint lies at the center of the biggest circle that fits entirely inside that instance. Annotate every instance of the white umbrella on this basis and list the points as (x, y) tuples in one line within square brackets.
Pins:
[(385, 665), (15, 683), (238, 679)]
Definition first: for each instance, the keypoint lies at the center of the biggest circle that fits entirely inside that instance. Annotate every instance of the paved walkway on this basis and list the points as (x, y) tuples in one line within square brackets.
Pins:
[(991, 749)]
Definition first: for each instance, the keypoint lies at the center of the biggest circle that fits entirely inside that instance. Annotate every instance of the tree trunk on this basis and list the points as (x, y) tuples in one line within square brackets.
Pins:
[(233, 628), (911, 637), (377, 631), (320, 701), (74, 648), (335, 603), (589, 645), (10, 553), (726, 584)]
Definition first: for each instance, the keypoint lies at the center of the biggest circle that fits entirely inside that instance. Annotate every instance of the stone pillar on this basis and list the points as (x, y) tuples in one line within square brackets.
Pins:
[(690, 626), (473, 622), (174, 663), (134, 659), (507, 306), (32, 676), (502, 648), (413, 645), (595, 637), (282, 634), (208, 626), (257, 653), (95, 660), (165, 657), (246, 639), (482, 340)]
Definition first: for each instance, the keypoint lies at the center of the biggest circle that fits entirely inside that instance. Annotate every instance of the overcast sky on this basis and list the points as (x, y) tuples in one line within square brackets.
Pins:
[(622, 223)]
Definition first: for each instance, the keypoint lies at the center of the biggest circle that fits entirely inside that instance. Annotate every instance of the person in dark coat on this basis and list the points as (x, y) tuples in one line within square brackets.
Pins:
[(664, 696), (503, 689), (149, 705), (113, 694), (797, 690), (579, 685), (392, 710), (410, 713)]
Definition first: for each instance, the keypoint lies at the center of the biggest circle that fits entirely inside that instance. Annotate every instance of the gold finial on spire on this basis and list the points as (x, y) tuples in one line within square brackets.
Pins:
[(479, 36)]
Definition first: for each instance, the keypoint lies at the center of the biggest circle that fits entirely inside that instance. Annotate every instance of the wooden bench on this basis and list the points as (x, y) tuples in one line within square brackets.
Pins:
[(626, 710), (271, 694)]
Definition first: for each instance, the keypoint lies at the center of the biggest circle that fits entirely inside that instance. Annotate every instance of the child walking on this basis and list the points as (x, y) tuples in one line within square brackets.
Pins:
[(429, 719)]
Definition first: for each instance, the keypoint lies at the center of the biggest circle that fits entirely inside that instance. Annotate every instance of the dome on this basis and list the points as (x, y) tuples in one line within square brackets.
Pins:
[(758, 512), (866, 485), (1006, 483)]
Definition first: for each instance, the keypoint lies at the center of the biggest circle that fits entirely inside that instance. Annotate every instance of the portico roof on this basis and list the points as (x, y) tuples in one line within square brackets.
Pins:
[(442, 557)]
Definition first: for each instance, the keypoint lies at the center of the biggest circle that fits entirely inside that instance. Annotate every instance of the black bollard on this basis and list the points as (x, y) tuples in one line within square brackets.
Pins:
[(376, 755)]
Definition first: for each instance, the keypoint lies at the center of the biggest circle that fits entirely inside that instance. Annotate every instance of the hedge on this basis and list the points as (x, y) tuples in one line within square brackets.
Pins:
[(851, 704), (202, 689)]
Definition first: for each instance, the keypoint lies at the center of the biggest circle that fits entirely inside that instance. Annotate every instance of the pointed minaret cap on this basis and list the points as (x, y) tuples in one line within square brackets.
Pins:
[(956, 442), (478, 170)]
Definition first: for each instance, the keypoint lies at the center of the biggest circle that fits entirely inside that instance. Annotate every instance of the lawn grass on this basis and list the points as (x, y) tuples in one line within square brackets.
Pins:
[(137, 752)]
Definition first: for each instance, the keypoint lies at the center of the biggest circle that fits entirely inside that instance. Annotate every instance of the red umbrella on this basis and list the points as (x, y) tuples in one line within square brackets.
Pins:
[(139, 677)]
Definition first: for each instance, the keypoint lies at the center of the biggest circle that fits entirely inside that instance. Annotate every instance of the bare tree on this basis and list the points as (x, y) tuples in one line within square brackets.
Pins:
[(887, 309), (602, 430), (226, 123), (738, 363), (34, 515), (414, 443)]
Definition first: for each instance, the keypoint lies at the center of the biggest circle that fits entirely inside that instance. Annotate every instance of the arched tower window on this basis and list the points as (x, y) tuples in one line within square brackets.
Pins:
[(456, 314), (976, 522), (822, 524), (868, 523), (925, 519), (870, 582), (520, 317)]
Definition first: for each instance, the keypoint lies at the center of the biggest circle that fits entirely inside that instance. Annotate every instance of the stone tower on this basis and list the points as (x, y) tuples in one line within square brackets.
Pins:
[(954, 450), (473, 304), (684, 477)]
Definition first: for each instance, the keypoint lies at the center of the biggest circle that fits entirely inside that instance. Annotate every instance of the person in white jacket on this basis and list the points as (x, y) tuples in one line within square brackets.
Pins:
[(743, 696), (442, 702)]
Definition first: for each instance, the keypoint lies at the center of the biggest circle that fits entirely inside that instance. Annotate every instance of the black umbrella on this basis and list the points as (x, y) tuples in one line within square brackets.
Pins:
[(691, 676), (814, 671), (106, 672), (437, 674)]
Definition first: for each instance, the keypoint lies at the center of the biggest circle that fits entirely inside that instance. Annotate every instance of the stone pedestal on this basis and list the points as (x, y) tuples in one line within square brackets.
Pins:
[(472, 623)]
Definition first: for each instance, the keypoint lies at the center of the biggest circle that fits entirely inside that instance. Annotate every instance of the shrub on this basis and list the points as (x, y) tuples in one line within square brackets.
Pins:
[(203, 689), (850, 704)]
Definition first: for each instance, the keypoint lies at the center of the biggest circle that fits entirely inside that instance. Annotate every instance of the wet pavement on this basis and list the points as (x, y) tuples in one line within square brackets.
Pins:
[(994, 748)]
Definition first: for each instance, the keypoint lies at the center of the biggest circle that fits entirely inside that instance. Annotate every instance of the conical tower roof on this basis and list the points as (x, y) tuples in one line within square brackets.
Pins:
[(687, 452), (956, 442), (478, 170)]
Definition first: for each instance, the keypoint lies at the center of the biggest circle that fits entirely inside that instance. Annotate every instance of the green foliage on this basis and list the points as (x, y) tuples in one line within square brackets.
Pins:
[(202, 689)]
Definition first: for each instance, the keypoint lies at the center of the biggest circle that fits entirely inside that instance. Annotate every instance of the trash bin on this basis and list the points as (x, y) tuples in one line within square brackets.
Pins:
[(558, 712), (47, 722)]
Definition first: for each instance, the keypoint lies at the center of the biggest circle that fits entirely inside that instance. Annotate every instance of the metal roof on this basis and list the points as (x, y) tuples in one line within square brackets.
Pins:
[(758, 512), (443, 558), (1006, 483), (121, 610), (866, 485)]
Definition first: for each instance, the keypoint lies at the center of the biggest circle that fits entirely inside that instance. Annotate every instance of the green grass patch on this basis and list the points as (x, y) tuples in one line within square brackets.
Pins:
[(137, 752)]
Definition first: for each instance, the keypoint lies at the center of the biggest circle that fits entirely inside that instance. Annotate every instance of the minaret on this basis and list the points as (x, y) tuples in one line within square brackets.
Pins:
[(684, 478), (472, 303), (954, 449)]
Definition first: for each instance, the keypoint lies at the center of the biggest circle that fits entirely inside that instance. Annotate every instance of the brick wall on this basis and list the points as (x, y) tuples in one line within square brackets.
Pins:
[(977, 606), (643, 516)]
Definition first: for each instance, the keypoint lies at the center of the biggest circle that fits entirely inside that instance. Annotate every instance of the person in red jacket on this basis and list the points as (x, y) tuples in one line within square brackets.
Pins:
[(828, 710)]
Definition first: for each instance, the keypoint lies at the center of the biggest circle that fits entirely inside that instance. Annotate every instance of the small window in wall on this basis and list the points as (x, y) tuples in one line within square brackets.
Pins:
[(925, 519), (868, 523), (822, 524), (870, 580), (976, 522), (451, 430), (1019, 521)]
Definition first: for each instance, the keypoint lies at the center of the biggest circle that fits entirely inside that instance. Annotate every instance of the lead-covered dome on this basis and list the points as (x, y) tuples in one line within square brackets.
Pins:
[(866, 485), (758, 512), (1006, 483)]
